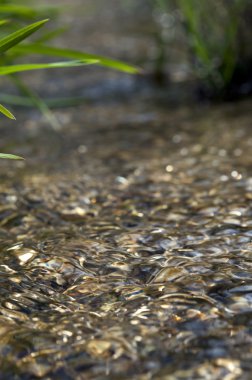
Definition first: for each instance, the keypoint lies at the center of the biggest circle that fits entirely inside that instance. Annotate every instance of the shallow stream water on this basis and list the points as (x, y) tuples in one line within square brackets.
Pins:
[(126, 242)]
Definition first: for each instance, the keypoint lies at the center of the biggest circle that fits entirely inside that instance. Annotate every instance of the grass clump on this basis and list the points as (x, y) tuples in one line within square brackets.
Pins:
[(213, 34), (216, 36), (12, 47)]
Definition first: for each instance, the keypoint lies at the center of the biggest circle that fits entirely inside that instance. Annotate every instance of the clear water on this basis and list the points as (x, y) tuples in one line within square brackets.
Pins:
[(126, 236), (126, 247)]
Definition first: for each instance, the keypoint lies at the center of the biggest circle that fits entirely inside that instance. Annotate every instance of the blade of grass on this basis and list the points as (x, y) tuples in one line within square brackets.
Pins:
[(10, 156), (4, 22), (27, 12), (36, 101), (24, 101), (6, 112), (51, 35), (229, 56), (14, 38), (33, 48), (5, 70), (190, 10), (18, 10)]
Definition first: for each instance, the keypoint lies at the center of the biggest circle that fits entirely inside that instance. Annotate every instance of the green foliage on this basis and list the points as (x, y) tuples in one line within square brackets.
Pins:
[(23, 12), (10, 156), (15, 38), (11, 49), (212, 32), (38, 48), (6, 112), (6, 70)]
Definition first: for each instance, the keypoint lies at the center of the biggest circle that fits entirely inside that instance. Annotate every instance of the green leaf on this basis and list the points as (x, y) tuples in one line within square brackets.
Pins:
[(17, 10), (51, 35), (14, 38), (34, 48), (3, 22), (36, 101), (5, 70), (10, 156), (24, 101), (6, 112), (26, 12)]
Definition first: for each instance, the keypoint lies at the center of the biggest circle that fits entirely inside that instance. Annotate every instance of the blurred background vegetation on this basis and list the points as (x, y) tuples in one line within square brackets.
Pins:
[(205, 44), (215, 35)]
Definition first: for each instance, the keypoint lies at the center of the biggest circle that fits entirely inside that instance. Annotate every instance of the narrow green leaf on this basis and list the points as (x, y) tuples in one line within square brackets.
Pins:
[(16, 100), (3, 22), (5, 70), (14, 38), (33, 48), (27, 12), (51, 35), (6, 112), (36, 101), (10, 156), (17, 10), (24, 101)]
